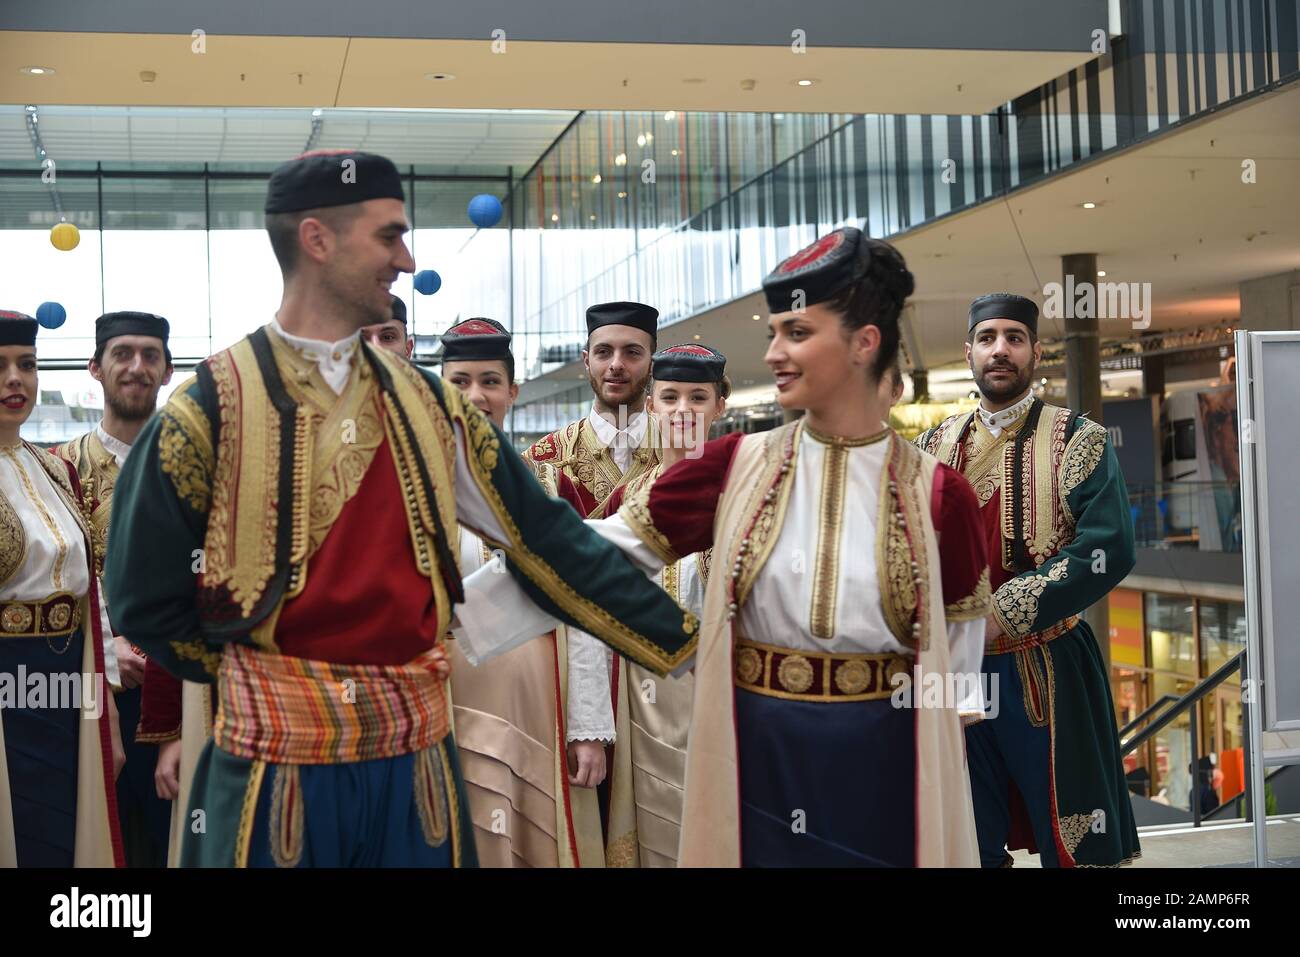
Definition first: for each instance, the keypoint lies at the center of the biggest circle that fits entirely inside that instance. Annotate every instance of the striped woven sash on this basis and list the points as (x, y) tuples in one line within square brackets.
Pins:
[(289, 710)]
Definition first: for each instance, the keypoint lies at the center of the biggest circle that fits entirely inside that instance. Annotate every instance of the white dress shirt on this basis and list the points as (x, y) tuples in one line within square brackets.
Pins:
[(114, 446), (333, 358), (995, 422), (620, 442)]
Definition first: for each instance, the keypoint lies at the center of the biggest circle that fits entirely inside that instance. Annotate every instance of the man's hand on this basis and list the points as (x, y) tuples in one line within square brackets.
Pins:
[(129, 665), (586, 763), (992, 630), (167, 773), (119, 752)]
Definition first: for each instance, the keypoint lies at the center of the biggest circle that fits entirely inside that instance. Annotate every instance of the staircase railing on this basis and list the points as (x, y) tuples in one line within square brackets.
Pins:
[(1182, 705)]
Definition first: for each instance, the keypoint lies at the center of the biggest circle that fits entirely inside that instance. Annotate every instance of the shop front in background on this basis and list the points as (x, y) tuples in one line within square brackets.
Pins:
[(1164, 644)]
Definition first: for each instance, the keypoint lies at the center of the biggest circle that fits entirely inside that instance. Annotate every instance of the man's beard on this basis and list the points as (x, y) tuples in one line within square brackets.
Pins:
[(360, 303), (1009, 389), (135, 409), (638, 390)]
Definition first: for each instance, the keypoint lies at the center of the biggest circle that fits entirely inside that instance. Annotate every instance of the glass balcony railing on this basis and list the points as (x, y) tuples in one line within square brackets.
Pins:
[(1200, 515)]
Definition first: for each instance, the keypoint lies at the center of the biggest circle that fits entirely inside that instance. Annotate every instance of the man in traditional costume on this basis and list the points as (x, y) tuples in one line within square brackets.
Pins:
[(689, 392), (795, 673), (283, 529), (392, 334), (1046, 772), (59, 745), (132, 362), (523, 721), (586, 460)]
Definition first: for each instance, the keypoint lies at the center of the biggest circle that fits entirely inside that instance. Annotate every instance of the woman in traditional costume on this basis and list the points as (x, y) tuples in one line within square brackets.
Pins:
[(688, 393), (532, 725), (59, 745), (843, 621)]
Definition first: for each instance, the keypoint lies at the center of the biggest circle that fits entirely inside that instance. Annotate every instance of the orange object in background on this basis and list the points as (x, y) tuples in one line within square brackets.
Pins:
[(1232, 764)]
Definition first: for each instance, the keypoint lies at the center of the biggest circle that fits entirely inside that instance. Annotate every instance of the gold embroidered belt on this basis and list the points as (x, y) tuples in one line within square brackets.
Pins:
[(1006, 644), (813, 676), (57, 615), (288, 710)]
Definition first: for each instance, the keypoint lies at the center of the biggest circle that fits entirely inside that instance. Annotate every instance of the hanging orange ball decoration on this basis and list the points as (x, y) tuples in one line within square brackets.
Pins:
[(65, 236)]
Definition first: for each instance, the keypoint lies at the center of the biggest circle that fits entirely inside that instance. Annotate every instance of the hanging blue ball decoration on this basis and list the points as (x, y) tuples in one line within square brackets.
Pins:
[(484, 210), (51, 315), (427, 282)]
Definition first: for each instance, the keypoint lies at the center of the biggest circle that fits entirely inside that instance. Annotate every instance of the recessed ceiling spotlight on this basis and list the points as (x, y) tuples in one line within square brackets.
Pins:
[(670, 116), (805, 82), (756, 317), (596, 178), (622, 194), (555, 217), (620, 159), (1089, 205), (37, 70), (674, 152), (1101, 273), (640, 140), (439, 77), (697, 337)]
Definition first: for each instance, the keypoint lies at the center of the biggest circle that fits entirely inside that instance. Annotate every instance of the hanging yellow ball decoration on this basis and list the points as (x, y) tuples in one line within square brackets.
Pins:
[(65, 236)]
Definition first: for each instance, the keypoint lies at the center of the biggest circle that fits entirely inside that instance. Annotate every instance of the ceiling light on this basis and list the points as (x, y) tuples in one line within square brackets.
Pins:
[(317, 113), (674, 152), (640, 140), (756, 317), (622, 194), (697, 337), (592, 217), (555, 217), (37, 70), (439, 77), (620, 159), (670, 116), (1101, 273), (596, 178), (805, 82), (1089, 205)]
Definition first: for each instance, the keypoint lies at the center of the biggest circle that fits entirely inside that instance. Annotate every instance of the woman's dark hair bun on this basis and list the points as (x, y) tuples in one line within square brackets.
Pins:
[(888, 269)]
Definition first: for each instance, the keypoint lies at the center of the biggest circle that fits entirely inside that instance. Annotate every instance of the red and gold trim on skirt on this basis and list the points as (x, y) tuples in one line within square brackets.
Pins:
[(288, 710), (1006, 644), (798, 675)]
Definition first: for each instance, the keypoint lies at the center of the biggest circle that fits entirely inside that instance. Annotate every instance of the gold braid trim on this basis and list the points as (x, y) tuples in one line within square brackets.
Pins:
[(431, 795), (183, 462), (765, 512), (1073, 828), (975, 605), (636, 512), (13, 541), (248, 812), (196, 650), (590, 616), (901, 560), (622, 851), (1080, 459), (1016, 603), (287, 816)]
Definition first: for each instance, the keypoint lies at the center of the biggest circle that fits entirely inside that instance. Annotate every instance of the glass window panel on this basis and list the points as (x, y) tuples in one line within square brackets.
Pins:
[(1170, 634)]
